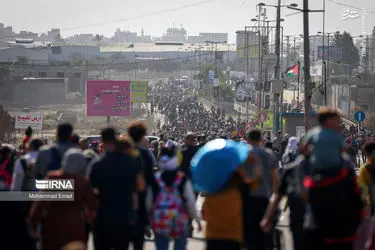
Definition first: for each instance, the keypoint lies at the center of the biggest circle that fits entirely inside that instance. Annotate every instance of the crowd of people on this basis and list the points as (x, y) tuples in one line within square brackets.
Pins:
[(129, 189), (184, 113)]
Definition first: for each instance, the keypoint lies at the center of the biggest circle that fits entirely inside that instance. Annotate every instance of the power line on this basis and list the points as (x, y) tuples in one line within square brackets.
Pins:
[(136, 17), (139, 16), (349, 6)]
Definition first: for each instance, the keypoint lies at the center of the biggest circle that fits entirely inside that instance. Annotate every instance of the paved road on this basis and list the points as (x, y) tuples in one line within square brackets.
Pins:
[(197, 243)]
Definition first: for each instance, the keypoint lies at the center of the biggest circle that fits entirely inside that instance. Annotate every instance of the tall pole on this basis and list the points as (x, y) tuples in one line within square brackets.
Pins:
[(326, 70), (323, 57), (277, 46), (276, 96), (247, 51), (247, 48), (306, 58), (260, 70), (298, 81)]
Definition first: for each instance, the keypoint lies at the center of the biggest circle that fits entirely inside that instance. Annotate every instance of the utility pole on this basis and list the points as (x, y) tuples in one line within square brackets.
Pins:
[(276, 96), (247, 51), (326, 69), (323, 57), (306, 58), (287, 50)]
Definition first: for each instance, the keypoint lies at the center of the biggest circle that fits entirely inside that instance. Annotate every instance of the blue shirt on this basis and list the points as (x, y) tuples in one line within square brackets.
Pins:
[(268, 162), (327, 146)]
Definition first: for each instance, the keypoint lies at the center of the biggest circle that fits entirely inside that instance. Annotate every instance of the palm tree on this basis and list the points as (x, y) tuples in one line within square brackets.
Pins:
[(98, 38)]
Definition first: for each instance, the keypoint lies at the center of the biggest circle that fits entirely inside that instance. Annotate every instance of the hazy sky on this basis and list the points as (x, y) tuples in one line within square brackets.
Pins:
[(213, 16)]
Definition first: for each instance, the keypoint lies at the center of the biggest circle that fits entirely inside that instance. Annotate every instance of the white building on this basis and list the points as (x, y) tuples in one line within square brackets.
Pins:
[(214, 37)]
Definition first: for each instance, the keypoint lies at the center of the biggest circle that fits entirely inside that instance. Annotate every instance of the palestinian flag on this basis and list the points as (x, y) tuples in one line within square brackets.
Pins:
[(292, 70)]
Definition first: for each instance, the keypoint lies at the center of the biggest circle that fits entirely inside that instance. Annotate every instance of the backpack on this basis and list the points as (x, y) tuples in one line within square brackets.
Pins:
[(335, 201), (28, 183), (54, 164), (169, 216)]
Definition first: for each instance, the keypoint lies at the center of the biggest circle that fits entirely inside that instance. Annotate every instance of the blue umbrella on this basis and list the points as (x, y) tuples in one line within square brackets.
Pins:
[(214, 164)]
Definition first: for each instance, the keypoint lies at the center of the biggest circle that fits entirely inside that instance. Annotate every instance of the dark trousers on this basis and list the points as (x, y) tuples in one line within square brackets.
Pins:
[(298, 238), (254, 237), (138, 236), (222, 245), (314, 241), (108, 237)]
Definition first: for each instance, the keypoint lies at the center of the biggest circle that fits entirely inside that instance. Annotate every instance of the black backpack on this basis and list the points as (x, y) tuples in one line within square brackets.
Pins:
[(335, 200), (28, 183), (54, 164)]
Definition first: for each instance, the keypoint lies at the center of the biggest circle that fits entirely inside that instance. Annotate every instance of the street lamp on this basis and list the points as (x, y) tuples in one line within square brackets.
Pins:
[(293, 5)]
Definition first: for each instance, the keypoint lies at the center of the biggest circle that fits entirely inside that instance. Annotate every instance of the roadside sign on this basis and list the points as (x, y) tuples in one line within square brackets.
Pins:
[(262, 117), (30, 119), (359, 116)]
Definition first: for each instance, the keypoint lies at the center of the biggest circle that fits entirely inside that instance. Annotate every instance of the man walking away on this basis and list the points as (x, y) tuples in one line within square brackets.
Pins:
[(138, 131), (50, 157), (115, 177), (255, 203), (187, 155)]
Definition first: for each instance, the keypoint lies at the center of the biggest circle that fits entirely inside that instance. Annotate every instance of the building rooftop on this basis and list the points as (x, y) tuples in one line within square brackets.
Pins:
[(152, 47)]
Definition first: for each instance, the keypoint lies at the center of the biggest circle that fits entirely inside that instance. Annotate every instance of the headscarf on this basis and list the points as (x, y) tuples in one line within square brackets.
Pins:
[(293, 145), (74, 162), (168, 159), (291, 150)]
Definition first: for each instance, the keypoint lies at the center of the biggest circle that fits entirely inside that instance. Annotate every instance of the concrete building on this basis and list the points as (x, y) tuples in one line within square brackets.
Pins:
[(124, 36), (51, 36), (247, 48), (175, 35), (34, 91), (75, 75), (208, 37), (195, 39), (81, 39), (156, 51), (32, 55), (214, 37), (68, 52)]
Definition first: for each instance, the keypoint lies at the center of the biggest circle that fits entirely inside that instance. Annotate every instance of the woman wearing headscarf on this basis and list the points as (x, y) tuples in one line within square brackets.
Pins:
[(291, 151), (65, 222)]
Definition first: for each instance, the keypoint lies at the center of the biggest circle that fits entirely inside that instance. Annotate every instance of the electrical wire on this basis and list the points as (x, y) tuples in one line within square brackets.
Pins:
[(153, 13), (349, 6)]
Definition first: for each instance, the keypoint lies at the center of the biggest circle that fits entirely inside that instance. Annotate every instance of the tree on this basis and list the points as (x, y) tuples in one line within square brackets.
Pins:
[(98, 38), (350, 54)]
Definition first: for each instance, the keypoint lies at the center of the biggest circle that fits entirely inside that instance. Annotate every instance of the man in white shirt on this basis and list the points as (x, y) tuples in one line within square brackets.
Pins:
[(24, 171)]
